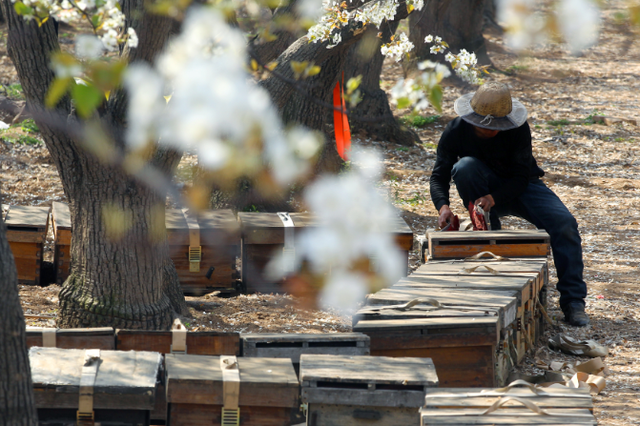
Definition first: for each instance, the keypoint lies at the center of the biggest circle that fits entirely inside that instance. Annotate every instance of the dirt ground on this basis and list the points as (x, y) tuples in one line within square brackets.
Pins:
[(594, 168)]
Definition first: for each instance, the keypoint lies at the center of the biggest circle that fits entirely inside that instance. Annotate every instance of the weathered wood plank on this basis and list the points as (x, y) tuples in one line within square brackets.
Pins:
[(511, 417), (287, 345), (208, 415), (198, 343), (266, 382), (357, 415), (125, 380), (76, 338)]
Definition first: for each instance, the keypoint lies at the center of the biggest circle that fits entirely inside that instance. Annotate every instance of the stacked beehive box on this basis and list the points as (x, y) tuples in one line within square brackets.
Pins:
[(26, 232)]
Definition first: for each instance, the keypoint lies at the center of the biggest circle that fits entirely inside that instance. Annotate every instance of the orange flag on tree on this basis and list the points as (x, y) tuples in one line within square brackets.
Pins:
[(340, 121)]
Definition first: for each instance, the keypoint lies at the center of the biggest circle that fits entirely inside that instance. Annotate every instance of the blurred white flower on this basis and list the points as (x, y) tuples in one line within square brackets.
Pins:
[(579, 22), (524, 26), (88, 46), (309, 9), (344, 292), (132, 39)]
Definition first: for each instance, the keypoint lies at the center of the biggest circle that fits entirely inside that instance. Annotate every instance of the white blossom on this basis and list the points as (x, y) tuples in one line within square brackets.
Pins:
[(524, 25), (579, 22), (344, 292), (88, 47), (132, 39), (397, 48)]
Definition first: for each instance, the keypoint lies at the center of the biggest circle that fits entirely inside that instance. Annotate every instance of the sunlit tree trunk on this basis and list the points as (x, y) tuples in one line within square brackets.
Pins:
[(17, 407), (458, 22), (119, 256)]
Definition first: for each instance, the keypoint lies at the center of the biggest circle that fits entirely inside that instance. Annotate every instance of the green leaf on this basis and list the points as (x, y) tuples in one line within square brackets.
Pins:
[(87, 99), (22, 9), (435, 97), (56, 91), (403, 103)]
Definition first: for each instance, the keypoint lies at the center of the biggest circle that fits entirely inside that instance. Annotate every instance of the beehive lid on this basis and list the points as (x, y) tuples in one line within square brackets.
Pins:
[(197, 379), (502, 302), (474, 268), (507, 235), (61, 216), (124, 380), (27, 223), (268, 228), (215, 227), (292, 345)]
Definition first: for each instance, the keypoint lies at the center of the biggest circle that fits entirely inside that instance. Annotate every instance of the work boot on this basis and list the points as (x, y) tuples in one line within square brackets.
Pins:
[(574, 314)]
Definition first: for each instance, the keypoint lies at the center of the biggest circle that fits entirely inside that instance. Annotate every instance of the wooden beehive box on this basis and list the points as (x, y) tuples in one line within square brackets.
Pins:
[(361, 390), (510, 243), (204, 249), (196, 342), (72, 338), (463, 349), (198, 389), (264, 235), (121, 385), (508, 406), (523, 287), (292, 346), (61, 221), (26, 232)]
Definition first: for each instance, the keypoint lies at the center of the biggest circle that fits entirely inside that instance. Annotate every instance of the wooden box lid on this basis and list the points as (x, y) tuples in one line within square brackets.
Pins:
[(506, 417), (61, 219), (73, 338), (464, 398), (27, 224), (366, 380), (293, 345), (198, 342), (267, 228), (197, 379), (523, 286), (216, 227), (508, 236), (125, 380), (504, 303), (524, 267)]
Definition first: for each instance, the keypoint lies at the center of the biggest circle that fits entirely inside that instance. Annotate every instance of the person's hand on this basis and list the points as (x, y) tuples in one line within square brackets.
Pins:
[(485, 202), (446, 216)]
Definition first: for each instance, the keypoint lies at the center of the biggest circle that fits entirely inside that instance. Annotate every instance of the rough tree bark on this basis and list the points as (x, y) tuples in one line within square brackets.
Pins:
[(373, 114), (115, 279), (17, 407), (458, 22), (306, 102)]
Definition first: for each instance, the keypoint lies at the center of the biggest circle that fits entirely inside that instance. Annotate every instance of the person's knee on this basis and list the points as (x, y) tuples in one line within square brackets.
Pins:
[(567, 226), (466, 168)]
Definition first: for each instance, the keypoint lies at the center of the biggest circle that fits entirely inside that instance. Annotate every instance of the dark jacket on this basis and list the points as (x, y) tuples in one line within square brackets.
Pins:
[(508, 154)]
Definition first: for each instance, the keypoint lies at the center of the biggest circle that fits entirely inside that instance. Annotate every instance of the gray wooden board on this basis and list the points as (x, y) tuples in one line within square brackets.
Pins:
[(375, 313), (464, 398), (61, 215), (125, 380), (505, 302), (291, 345), (197, 379), (522, 285), (502, 235), (458, 267), (370, 370), (364, 397), (430, 325), (27, 217), (511, 417)]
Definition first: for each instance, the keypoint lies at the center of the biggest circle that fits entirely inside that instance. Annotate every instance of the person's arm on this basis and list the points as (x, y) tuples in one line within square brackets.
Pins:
[(440, 179), (519, 168)]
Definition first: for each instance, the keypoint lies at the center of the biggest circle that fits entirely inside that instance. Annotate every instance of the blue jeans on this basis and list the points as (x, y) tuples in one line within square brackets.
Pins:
[(539, 206)]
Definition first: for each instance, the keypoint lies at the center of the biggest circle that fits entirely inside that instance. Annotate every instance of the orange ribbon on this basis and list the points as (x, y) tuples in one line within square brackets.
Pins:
[(340, 121)]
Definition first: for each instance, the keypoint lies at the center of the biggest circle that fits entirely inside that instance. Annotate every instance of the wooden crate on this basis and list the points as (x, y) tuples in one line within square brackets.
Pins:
[(292, 346), (464, 350), (362, 390), (523, 287), (217, 234), (61, 221), (26, 232), (123, 385), (72, 338), (536, 269), (264, 236), (508, 406), (510, 243), (197, 342), (197, 390)]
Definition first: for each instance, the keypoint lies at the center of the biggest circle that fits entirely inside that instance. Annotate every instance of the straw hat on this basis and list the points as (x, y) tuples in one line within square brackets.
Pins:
[(491, 107)]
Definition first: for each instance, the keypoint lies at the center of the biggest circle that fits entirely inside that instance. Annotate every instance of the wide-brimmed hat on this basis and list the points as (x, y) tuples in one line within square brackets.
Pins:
[(491, 107)]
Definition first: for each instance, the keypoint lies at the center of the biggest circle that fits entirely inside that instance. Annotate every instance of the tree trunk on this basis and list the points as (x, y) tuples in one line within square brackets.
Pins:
[(119, 252), (307, 102), (267, 51), (491, 17), (458, 22), (17, 407), (373, 114)]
